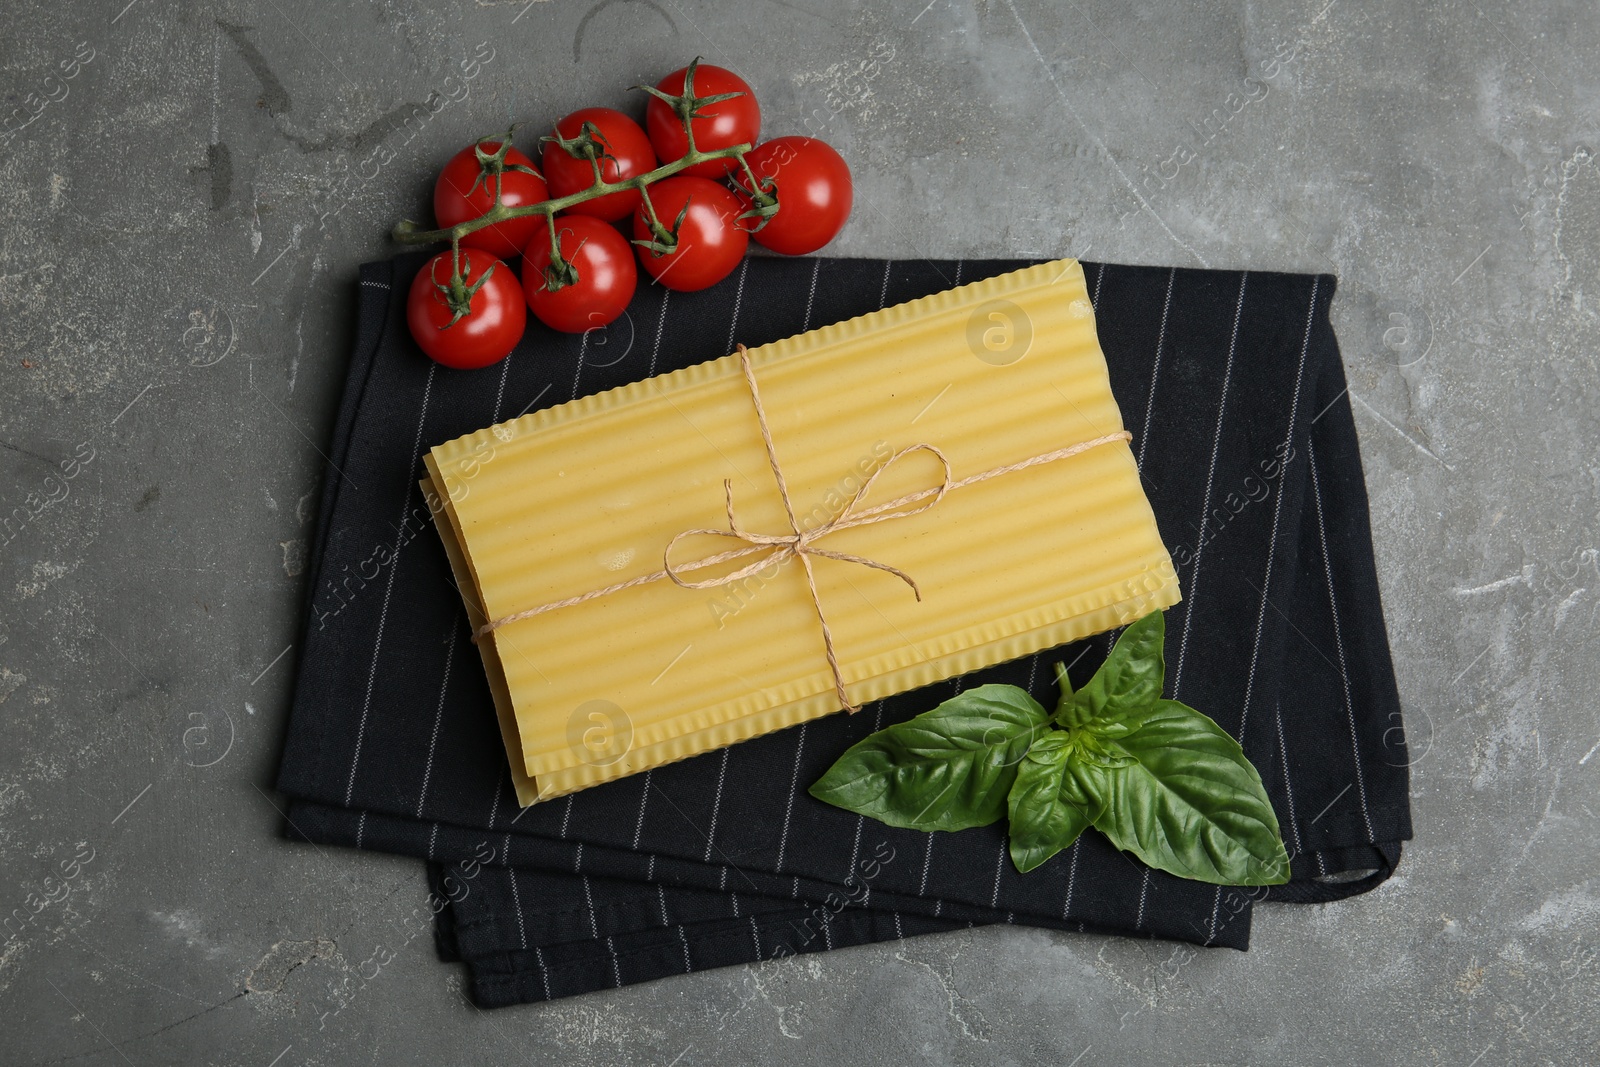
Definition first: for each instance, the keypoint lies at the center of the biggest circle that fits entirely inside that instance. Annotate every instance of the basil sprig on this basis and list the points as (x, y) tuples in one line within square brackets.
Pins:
[(1157, 777)]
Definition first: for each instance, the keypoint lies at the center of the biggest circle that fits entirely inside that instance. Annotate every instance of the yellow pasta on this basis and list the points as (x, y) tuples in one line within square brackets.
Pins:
[(587, 495)]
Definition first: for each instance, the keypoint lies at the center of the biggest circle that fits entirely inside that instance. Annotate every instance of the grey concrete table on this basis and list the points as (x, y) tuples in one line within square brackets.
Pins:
[(180, 222)]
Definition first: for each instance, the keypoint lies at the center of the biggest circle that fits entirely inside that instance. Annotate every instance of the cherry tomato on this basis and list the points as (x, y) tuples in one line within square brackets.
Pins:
[(814, 193), (491, 327), (464, 192), (710, 240), (606, 275), (720, 125), (627, 151)]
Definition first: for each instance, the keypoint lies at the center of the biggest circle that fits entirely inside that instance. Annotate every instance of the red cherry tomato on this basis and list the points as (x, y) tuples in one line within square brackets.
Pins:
[(628, 154), (710, 240), (721, 125), (814, 193), (491, 327), (464, 192), (606, 276)]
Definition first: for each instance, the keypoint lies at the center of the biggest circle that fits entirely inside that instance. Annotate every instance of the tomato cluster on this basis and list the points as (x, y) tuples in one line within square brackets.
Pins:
[(691, 188)]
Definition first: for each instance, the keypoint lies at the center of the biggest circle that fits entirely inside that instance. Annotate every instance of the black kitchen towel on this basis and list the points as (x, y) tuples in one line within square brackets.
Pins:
[(1233, 388)]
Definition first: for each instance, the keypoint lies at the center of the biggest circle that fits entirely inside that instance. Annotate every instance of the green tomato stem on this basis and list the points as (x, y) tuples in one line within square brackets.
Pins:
[(560, 273), (407, 233), (758, 195)]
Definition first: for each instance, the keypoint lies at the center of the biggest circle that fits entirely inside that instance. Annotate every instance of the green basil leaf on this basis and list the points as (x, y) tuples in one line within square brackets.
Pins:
[(1099, 749), (1048, 805), (1129, 680), (946, 769), (1190, 803)]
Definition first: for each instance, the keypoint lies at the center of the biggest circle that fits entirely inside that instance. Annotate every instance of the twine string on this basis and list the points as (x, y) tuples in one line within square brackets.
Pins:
[(800, 543)]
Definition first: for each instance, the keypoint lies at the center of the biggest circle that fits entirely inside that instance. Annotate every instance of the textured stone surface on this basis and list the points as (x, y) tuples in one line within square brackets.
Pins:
[(179, 229)]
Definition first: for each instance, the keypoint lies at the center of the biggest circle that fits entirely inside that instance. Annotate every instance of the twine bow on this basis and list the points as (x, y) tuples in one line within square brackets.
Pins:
[(800, 543)]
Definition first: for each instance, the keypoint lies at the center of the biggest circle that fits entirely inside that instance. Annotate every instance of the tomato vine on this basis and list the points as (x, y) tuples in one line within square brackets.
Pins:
[(662, 239)]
